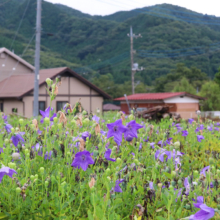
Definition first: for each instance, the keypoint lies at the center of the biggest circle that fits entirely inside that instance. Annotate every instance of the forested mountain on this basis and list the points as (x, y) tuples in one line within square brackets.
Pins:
[(98, 46)]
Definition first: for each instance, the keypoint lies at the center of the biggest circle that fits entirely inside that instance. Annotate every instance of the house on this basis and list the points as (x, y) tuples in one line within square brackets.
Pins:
[(180, 102), (11, 64), (17, 88), (111, 107)]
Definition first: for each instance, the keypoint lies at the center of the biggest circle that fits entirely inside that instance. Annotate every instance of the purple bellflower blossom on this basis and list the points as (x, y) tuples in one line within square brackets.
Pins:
[(190, 120), (199, 138), (17, 138), (108, 154), (151, 185), (204, 213), (82, 159), (168, 141), (184, 133), (117, 188), (48, 156), (5, 118), (161, 143), (160, 154), (46, 114), (85, 135), (187, 186), (1, 150), (96, 119), (217, 124), (6, 171), (8, 128), (140, 146), (146, 140), (152, 145), (38, 149), (205, 169), (129, 138), (131, 129), (116, 130), (210, 128)]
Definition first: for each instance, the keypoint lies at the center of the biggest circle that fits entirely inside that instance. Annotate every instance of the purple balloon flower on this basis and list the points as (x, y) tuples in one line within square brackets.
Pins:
[(190, 120), (131, 129), (17, 138), (46, 114), (205, 169), (1, 150), (117, 188), (152, 145), (85, 135), (38, 149), (187, 186), (96, 118), (151, 185), (160, 154), (199, 138), (82, 159), (8, 128), (6, 171), (204, 213), (48, 156), (116, 130), (129, 138), (5, 118), (108, 154), (184, 133)]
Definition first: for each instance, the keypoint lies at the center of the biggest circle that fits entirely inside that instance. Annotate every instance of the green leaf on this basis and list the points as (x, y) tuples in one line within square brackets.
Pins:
[(161, 218), (3, 216), (168, 175), (90, 217)]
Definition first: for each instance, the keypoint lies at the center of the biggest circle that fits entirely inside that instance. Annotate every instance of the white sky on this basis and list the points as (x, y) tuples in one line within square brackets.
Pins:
[(105, 7)]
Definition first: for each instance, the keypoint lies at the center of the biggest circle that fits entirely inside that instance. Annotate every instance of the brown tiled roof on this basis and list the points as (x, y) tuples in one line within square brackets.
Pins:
[(17, 86), (109, 107)]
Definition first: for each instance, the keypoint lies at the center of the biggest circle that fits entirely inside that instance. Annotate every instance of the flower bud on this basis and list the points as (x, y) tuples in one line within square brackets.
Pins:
[(16, 156), (26, 151), (173, 174), (218, 206), (177, 144), (6, 141), (84, 112), (109, 178), (46, 183), (160, 185), (63, 183), (48, 81), (195, 172), (86, 121), (55, 119), (118, 160), (188, 206), (12, 130), (47, 120), (21, 121), (173, 183), (17, 129), (73, 122), (18, 190), (36, 176), (32, 177), (42, 170), (59, 125), (107, 170), (131, 117), (180, 182)]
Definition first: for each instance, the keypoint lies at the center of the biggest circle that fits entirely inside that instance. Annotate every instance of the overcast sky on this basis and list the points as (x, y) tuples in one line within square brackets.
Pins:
[(105, 7)]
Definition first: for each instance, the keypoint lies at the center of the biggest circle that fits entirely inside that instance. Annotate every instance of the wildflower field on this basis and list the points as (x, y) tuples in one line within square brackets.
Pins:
[(78, 166)]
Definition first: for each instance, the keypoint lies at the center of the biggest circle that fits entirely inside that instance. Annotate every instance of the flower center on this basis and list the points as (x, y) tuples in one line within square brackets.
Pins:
[(83, 157), (129, 127), (115, 128)]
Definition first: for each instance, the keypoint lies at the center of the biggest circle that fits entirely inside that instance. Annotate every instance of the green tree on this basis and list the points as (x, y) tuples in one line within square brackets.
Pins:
[(184, 86), (217, 77), (211, 91)]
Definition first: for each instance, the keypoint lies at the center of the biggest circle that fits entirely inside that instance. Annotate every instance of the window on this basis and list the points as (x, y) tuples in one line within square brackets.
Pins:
[(1, 107), (41, 106), (15, 110), (60, 105)]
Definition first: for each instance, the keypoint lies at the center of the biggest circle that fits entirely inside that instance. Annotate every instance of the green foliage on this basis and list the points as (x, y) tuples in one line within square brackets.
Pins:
[(211, 91), (184, 86), (194, 77)]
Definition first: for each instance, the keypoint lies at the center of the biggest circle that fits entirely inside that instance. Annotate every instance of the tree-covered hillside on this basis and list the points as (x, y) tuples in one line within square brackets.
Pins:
[(98, 46)]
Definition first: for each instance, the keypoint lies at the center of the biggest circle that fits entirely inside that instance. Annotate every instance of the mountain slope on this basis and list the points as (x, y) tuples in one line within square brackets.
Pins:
[(171, 35)]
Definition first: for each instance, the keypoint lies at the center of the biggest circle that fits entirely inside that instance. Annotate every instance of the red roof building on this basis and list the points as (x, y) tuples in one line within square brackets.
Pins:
[(180, 102)]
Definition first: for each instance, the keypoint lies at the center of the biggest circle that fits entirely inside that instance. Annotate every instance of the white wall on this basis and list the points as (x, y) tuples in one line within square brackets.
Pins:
[(178, 99)]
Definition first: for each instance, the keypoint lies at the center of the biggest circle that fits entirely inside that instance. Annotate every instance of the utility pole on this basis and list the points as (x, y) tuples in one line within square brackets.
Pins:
[(133, 70), (37, 59)]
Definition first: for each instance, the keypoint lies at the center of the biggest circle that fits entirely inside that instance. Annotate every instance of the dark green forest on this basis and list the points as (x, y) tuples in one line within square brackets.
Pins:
[(177, 44)]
